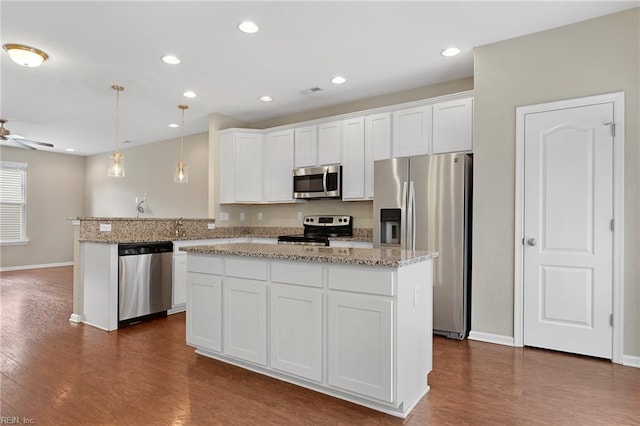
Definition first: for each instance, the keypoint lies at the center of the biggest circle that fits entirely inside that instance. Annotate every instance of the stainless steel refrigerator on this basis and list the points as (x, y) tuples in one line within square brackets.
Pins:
[(424, 203)]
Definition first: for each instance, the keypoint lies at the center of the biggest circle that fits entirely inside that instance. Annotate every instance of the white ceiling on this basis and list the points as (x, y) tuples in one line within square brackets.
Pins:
[(380, 47)]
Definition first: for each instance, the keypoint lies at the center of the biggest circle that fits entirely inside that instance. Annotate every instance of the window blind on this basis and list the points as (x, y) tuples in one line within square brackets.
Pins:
[(12, 202)]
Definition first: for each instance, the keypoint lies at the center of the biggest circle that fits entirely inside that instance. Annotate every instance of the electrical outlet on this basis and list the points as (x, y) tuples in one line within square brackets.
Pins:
[(299, 215), (224, 216), (211, 226), (416, 295), (105, 227), (242, 216), (259, 215)]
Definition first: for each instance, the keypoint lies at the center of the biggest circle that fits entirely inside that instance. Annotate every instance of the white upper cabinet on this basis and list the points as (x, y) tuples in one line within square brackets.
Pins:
[(306, 146), (412, 131), (241, 166), (330, 143), (227, 169), (354, 158), (279, 165), (378, 134), (453, 126), (248, 171)]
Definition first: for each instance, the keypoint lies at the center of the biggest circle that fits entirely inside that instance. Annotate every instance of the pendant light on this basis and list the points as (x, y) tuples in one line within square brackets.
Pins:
[(116, 161), (181, 175)]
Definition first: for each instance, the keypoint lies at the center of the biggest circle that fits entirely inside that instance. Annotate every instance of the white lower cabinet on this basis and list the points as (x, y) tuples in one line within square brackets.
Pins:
[(245, 319), (204, 313), (296, 330), (361, 344), (361, 333), (179, 297)]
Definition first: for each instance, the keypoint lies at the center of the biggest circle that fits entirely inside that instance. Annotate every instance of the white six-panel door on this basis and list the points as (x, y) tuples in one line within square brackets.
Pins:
[(568, 239)]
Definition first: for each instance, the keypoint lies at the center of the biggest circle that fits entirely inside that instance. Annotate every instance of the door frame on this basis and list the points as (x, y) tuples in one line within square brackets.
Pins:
[(617, 98)]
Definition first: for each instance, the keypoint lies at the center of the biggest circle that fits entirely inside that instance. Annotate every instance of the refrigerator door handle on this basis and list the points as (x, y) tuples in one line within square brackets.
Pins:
[(403, 221), (412, 217)]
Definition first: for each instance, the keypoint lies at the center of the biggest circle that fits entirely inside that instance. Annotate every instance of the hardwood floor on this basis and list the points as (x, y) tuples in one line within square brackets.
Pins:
[(56, 372)]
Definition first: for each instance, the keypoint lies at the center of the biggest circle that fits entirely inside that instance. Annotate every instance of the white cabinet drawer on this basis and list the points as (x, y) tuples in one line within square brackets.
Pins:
[(297, 273), (204, 264), (241, 268), (366, 280)]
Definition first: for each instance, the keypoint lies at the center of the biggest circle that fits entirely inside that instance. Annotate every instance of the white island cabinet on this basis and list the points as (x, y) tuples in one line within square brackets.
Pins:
[(349, 322)]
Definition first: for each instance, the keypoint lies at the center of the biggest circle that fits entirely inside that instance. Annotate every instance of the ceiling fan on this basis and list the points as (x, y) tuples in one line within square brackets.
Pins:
[(5, 135)]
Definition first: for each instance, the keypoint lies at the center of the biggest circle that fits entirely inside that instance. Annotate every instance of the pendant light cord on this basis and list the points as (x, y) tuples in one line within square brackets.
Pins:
[(182, 135), (183, 108), (118, 89)]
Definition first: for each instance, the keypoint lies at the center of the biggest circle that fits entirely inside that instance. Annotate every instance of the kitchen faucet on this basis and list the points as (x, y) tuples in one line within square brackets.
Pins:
[(139, 207), (179, 229)]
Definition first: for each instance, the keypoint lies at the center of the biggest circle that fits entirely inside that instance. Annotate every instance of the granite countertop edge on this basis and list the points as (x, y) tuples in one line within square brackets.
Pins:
[(195, 238), (350, 256)]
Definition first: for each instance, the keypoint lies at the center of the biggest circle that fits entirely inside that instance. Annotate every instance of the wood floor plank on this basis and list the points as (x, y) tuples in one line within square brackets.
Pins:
[(57, 372)]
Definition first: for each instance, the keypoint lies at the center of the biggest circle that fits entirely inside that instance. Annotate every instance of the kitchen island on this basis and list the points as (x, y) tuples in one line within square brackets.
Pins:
[(352, 323)]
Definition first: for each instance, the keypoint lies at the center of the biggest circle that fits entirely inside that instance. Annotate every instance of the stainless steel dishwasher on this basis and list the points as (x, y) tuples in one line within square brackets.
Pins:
[(144, 280)]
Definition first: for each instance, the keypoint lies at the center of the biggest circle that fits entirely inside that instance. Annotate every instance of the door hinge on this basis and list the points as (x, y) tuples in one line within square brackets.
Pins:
[(612, 225), (612, 128), (611, 320)]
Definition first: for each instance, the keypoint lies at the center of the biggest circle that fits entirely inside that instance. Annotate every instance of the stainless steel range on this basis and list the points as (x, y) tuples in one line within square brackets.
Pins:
[(318, 230)]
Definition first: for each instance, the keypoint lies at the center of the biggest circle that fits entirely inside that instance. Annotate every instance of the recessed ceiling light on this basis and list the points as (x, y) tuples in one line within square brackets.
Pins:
[(171, 60), (70, 150), (189, 94), (248, 27), (450, 51), (173, 125), (266, 98), (338, 80)]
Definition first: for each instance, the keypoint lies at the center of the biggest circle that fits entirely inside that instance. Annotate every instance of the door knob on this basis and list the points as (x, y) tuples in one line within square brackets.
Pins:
[(532, 242)]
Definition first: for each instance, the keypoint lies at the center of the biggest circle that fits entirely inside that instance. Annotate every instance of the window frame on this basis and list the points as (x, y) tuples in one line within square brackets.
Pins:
[(22, 167)]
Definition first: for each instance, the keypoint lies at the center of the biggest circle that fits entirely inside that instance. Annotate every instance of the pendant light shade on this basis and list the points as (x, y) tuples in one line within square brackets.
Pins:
[(116, 161), (181, 175)]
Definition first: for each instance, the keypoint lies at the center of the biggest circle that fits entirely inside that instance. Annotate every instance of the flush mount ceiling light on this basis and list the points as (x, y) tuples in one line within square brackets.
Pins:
[(116, 161), (25, 55), (450, 51), (266, 98), (338, 79), (189, 94), (174, 125), (171, 60), (70, 150), (181, 175), (248, 27)]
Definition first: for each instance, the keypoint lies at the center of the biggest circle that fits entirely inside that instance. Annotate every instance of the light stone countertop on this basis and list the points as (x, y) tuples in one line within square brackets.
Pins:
[(389, 257)]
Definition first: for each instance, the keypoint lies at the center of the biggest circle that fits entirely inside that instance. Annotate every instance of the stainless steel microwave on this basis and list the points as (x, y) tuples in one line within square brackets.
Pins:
[(318, 182)]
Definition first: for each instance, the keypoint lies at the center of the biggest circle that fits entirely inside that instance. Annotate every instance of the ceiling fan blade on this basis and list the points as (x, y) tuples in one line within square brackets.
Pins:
[(23, 145), (26, 141)]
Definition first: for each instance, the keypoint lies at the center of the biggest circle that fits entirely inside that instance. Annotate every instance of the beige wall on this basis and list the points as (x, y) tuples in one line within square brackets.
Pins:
[(362, 211), (149, 171), (587, 58), (55, 191)]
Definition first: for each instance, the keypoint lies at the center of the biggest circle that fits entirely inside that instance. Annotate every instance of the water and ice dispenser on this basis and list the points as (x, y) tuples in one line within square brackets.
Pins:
[(390, 221)]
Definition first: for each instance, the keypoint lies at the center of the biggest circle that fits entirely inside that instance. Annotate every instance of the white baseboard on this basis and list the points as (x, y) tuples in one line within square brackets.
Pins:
[(44, 265), (177, 309), (631, 361), (498, 339), (75, 318)]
